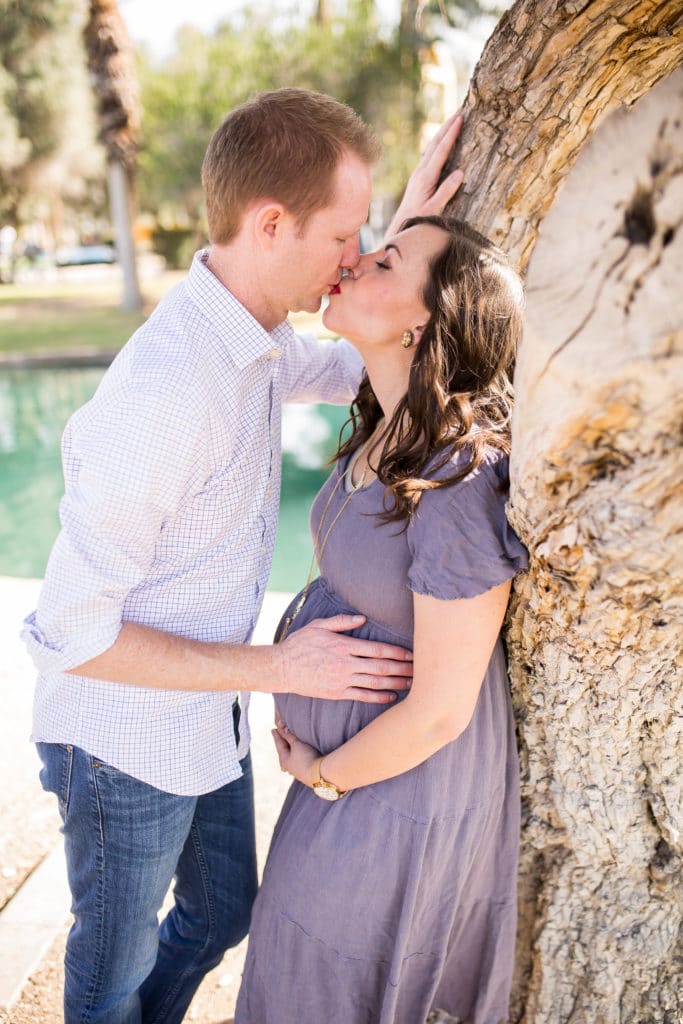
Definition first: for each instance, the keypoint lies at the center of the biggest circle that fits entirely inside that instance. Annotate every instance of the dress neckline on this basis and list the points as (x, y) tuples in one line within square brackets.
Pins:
[(348, 486)]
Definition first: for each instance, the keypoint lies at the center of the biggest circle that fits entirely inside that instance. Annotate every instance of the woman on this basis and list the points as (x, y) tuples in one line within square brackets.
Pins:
[(396, 893)]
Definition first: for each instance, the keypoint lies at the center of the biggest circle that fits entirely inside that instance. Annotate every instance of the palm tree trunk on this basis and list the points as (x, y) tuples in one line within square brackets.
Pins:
[(112, 72), (119, 205)]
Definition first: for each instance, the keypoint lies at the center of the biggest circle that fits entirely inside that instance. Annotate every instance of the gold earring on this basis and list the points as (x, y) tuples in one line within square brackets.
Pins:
[(407, 339)]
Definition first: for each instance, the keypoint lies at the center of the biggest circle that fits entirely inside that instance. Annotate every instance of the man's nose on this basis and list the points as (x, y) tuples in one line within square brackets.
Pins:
[(362, 263), (351, 253)]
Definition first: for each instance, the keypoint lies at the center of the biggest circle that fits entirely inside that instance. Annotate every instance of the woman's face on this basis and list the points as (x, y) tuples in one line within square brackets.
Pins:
[(382, 296)]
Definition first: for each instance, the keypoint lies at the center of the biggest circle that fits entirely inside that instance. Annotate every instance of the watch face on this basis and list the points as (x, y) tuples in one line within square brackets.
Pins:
[(325, 791)]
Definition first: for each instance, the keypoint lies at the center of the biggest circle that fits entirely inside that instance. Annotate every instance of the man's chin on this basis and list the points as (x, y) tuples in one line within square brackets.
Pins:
[(307, 306)]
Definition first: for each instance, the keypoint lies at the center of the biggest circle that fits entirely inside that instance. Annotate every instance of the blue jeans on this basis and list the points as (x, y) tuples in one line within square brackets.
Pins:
[(125, 840)]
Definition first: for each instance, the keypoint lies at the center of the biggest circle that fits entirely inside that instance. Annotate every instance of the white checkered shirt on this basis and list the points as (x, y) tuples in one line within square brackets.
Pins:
[(172, 480)]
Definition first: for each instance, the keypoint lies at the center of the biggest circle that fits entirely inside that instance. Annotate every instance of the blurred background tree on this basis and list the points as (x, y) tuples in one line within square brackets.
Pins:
[(50, 166), (187, 95), (113, 78), (344, 49), (397, 72)]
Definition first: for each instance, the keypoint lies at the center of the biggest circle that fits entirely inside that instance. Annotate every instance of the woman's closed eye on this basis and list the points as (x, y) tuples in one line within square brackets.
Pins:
[(382, 264)]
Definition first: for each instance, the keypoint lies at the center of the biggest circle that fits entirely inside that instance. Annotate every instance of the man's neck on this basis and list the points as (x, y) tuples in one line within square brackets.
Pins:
[(236, 272)]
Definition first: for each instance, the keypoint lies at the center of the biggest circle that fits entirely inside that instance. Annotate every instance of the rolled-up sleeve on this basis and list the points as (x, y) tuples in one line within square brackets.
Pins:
[(128, 463), (316, 370)]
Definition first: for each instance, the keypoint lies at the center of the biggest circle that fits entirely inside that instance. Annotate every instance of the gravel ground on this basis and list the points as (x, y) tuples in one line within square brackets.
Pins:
[(41, 1000)]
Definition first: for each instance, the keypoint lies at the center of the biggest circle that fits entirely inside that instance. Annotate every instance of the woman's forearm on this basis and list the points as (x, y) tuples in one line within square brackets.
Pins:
[(438, 708), (396, 741)]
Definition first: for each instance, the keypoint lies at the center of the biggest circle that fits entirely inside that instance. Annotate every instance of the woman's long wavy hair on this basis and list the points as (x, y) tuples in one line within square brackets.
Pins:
[(459, 392)]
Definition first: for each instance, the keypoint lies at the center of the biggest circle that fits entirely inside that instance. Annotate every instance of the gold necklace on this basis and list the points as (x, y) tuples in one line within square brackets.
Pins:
[(319, 551)]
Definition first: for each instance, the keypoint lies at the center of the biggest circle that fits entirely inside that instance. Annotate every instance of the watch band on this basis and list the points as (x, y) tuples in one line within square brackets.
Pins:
[(321, 787)]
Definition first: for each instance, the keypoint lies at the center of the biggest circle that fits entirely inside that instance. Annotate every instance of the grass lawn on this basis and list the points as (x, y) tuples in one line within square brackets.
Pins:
[(97, 328), (73, 313), (69, 314)]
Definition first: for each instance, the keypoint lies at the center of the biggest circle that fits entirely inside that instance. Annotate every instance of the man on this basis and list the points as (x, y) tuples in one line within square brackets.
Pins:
[(150, 597)]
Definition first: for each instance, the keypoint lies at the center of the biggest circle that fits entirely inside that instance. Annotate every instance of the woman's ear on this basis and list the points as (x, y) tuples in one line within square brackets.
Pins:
[(417, 333)]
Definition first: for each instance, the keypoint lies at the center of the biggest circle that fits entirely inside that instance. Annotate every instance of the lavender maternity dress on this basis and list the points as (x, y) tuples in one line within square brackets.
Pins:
[(401, 896)]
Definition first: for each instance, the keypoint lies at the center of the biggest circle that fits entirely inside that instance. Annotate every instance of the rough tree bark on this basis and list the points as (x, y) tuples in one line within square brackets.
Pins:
[(594, 632), (550, 72), (112, 72)]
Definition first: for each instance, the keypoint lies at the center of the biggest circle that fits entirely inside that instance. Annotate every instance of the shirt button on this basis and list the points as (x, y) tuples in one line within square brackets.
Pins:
[(274, 353)]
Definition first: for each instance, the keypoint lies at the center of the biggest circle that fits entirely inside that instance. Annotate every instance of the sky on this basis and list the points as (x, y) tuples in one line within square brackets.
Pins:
[(146, 24), (156, 28)]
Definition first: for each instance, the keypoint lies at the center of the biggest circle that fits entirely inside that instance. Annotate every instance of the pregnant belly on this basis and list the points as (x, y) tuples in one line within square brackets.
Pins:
[(328, 723), (460, 777)]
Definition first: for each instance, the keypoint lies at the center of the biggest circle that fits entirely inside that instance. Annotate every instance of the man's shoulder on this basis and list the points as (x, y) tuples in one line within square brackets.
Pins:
[(170, 351)]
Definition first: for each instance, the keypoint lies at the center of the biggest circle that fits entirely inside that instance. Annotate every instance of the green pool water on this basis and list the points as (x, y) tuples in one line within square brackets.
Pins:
[(34, 407)]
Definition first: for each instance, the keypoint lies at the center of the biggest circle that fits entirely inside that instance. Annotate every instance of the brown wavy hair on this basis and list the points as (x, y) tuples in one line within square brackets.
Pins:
[(459, 392)]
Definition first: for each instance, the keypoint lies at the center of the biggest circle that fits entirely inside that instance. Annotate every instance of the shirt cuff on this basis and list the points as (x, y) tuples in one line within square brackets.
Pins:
[(50, 657)]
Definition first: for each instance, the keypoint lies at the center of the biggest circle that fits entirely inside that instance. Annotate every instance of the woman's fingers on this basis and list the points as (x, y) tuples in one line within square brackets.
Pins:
[(448, 187), (451, 126), (436, 153), (282, 748), (444, 138)]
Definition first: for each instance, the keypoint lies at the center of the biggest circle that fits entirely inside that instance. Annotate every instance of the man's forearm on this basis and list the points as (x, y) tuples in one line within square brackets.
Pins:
[(315, 661), (147, 657)]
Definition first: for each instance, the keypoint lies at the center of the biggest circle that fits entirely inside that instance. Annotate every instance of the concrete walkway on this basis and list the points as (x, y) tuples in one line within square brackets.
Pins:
[(34, 899)]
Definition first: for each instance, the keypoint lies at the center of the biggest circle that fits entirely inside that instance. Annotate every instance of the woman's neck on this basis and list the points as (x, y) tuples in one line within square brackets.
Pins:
[(389, 383)]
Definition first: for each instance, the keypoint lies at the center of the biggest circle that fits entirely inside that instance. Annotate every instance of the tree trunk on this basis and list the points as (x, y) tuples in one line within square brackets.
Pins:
[(119, 205), (112, 72), (550, 72), (594, 630), (594, 635), (323, 12)]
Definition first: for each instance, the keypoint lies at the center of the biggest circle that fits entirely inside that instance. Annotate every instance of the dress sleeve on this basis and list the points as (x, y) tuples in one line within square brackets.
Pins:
[(460, 541)]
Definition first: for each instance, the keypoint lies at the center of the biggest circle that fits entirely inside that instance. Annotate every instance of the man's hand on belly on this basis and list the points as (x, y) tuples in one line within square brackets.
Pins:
[(318, 661)]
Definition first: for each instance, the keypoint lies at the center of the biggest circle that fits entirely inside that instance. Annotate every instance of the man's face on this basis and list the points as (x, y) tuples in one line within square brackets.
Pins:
[(310, 259)]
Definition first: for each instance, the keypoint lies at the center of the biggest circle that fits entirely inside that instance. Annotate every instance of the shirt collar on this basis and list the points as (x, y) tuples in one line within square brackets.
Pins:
[(244, 336)]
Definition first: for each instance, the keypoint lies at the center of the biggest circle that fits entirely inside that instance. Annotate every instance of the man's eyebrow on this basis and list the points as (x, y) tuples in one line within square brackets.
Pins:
[(392, 245)]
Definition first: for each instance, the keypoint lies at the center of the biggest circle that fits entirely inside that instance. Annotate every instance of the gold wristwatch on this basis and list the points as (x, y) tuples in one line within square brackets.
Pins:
[(322, 788)]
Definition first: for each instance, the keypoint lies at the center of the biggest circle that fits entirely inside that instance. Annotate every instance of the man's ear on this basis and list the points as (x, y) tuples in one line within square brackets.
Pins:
[(268, 221)]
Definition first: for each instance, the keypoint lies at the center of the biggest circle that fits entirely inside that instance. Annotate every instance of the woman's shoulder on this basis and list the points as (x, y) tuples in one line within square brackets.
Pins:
[(459, 537), (492, 464)]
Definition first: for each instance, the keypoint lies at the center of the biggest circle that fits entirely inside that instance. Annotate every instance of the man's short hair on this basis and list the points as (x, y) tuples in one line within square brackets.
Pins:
[(283, 145)]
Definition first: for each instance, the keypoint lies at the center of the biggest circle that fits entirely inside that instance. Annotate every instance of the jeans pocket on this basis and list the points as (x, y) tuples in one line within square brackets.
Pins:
[(55, 775), (103, 773)]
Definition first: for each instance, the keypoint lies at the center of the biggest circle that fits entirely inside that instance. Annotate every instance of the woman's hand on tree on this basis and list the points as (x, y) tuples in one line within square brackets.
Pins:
[(422, 197)]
